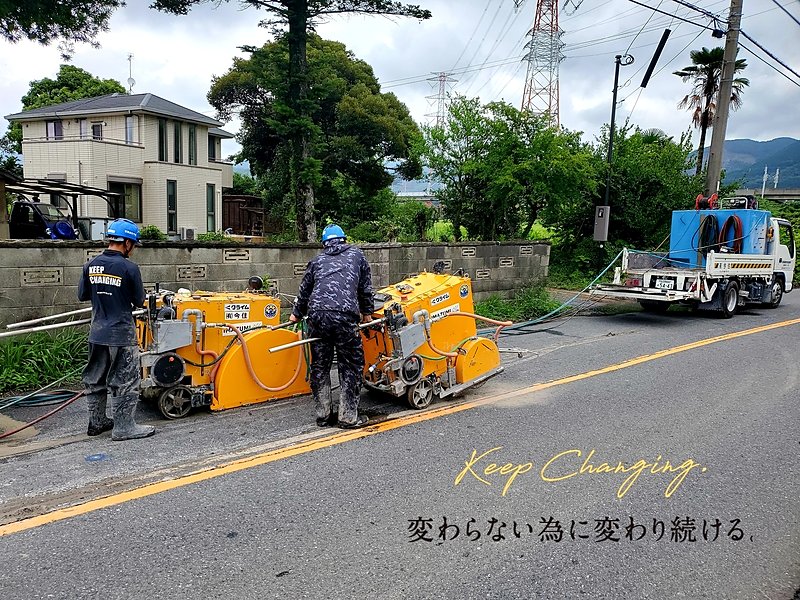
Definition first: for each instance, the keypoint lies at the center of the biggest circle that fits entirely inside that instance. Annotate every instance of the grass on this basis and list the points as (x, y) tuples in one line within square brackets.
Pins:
[(528, 303), (32, 361)]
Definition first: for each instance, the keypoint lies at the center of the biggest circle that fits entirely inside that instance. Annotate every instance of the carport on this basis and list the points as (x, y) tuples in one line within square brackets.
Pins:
[(34, 188)]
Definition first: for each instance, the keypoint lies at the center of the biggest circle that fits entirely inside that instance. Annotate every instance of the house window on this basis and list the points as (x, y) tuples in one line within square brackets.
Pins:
[(97, 131), (212, 148), (192, 144), (55, 130), (129, 129), (172, 206), (162, 140), (84, 128), (211, 214), (178, 131), (129, 204)]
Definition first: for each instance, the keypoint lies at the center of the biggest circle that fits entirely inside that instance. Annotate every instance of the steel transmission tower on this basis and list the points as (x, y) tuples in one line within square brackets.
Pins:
[(540, 95), (439, 100)]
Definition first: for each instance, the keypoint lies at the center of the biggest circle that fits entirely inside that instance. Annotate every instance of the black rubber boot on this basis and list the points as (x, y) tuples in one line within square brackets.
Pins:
[(361, 421), (98, 421), (125, 428)]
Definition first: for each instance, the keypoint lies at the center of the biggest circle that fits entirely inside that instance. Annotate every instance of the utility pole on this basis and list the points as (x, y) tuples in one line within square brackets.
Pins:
[(724, 101), (619, 60)]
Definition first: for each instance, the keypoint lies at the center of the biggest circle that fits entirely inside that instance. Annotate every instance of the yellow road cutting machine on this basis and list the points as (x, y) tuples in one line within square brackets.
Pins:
[(427, 345), (211, 349)]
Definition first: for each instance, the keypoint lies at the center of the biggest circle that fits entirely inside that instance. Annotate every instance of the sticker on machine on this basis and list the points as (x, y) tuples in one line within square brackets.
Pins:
[(440, 299), (436, 315), (270, 310), (243, 327), (237, 312)]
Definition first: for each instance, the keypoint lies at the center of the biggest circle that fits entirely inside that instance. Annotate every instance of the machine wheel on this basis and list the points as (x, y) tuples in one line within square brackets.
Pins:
[(730, 299), (420, 395), (655, 306), (777, 294), (175, 402)]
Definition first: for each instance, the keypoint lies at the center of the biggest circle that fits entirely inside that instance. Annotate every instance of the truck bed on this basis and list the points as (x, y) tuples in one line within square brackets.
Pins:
[(649, 276)]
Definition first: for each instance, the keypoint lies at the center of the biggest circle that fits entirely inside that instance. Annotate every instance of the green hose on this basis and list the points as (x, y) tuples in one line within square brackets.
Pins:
[(40, 398)]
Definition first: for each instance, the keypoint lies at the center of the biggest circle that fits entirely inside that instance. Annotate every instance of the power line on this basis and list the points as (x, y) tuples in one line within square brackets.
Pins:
[(783, 8), (660, 2), (674, 16), (472, 35), (503, 29), (773, 67), (770, 54)]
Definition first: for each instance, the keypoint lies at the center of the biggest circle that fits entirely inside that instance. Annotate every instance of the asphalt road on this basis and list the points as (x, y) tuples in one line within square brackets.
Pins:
[(277, 508)]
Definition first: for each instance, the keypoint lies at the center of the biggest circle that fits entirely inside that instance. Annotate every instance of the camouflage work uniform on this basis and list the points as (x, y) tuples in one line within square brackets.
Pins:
[(336, 290)]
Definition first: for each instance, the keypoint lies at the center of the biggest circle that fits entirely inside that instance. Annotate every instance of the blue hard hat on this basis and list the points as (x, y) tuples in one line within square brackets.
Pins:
[(332, 232), (123, 229)]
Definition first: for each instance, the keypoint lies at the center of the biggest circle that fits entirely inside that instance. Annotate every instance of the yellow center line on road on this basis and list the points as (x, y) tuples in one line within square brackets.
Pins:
[(347, 436)]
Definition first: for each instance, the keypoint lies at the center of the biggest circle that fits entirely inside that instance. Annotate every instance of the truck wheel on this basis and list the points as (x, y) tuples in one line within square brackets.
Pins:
[(654, 306), (776, 287), (730, 299)]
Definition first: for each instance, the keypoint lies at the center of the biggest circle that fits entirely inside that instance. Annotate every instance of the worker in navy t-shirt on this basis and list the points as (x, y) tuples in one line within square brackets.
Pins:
[(114, 285)]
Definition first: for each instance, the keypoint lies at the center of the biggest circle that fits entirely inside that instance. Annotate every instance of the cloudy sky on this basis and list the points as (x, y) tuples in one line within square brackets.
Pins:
[(481, 42)]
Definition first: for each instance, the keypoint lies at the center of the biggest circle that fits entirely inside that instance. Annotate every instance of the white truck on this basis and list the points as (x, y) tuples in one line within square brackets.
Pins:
[(748, 260)]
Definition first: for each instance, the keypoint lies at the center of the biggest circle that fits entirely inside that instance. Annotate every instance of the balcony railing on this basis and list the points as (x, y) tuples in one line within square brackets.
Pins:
[(84, 138)]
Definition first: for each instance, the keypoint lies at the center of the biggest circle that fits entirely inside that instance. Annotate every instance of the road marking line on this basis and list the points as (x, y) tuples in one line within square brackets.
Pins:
[(347, 436)]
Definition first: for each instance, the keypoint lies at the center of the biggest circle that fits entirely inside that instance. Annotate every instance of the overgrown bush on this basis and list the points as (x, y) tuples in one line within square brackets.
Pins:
[(152, 232), (31, 361), (528, 303), (213, 236)]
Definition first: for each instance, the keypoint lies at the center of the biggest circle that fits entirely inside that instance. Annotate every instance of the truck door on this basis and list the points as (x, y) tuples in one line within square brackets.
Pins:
[(785, 252)]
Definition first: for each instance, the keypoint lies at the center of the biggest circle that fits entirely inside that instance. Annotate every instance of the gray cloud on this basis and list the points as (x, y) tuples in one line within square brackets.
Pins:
[(175, 57)]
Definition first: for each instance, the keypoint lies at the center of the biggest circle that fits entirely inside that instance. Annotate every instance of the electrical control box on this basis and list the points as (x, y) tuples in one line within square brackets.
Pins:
[(601, 218)]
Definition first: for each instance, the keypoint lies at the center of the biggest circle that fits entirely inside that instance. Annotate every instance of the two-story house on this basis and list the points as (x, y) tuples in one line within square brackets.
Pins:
[(165, 159)]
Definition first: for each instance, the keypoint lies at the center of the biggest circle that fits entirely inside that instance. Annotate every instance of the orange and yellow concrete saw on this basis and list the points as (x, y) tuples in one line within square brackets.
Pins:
[(426, 344), (211, 349)]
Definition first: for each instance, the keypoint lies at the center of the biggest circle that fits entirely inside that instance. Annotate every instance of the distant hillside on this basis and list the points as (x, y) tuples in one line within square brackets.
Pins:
[(243, 168), (744, 160)]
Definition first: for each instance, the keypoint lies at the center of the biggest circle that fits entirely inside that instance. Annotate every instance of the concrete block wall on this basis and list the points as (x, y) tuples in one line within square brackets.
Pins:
[(40, 278)]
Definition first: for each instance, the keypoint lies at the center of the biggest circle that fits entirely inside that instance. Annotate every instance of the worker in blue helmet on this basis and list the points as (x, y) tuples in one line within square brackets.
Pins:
[(114, 285), (335, 293)]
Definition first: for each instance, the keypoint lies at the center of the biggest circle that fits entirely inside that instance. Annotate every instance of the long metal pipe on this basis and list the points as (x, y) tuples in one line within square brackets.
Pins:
[(5, 334), (50, 318), (44, 328), (309, 340)]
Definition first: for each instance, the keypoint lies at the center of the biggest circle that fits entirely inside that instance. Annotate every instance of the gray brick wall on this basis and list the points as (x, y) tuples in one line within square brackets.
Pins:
[(39, 278)]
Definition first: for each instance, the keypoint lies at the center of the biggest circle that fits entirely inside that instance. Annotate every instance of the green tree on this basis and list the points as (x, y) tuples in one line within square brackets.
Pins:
[(245, 184), (299, 16), (502, 167), (649, 181), (704, 74), (71, 83), (355, 128), (46, 21)]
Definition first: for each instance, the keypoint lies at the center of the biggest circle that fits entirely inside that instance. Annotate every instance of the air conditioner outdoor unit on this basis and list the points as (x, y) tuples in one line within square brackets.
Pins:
[(188, 233)]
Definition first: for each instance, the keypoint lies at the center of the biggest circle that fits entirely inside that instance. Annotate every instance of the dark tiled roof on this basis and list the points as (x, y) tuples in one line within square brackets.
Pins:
[(220, 133), (113, 103)]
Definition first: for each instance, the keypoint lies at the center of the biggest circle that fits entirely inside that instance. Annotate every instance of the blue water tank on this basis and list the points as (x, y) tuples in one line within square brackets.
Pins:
[(684, 237)]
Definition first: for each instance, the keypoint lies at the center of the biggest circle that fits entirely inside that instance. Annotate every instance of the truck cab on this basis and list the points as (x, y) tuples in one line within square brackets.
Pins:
[(31, 220), (783, 249)]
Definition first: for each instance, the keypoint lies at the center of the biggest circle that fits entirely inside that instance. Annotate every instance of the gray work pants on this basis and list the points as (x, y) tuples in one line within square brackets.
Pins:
[(111, 371)]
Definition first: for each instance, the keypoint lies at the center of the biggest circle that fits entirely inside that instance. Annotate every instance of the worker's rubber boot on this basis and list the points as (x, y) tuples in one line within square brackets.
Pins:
[(98, 421), (125, 428)]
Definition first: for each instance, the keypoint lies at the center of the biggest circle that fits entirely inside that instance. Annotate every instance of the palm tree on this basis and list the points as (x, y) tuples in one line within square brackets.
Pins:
[(705, 74)]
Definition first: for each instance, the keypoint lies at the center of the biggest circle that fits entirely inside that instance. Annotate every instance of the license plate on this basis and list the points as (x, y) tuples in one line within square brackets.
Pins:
[(665, 284)]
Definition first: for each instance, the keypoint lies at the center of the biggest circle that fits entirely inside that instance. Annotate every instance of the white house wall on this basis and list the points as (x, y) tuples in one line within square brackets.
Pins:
[(94, 162)]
